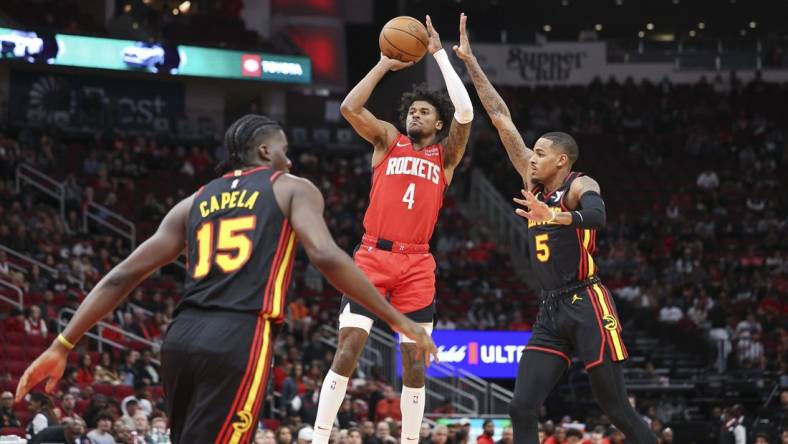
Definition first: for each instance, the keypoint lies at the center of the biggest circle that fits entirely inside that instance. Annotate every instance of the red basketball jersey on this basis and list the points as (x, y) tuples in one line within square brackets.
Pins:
[(407, 193)]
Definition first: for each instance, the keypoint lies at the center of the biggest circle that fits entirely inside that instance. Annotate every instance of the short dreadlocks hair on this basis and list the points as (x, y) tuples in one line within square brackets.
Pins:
[(242, 137), (438, 99)]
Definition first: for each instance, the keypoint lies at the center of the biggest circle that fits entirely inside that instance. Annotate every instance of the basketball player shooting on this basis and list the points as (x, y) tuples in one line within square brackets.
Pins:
[(564, 209), (410, 173), (239, 233)]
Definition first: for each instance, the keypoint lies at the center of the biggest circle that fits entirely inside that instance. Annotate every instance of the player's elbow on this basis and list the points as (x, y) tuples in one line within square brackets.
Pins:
[(464, 114), (323, 257), (347, 109)]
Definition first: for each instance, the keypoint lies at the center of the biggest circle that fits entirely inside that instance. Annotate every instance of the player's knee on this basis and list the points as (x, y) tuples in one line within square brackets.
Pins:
[(351, 344), (521, 408)]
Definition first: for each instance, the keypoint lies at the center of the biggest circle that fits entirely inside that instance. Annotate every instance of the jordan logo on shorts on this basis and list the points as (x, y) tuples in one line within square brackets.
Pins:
[(576, 298)]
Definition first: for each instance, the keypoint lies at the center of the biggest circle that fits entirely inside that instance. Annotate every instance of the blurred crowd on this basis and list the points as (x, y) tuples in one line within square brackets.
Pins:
[(694, 250)]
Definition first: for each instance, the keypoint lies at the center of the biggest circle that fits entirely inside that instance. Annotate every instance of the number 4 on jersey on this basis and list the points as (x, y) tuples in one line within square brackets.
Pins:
[(408, 197)]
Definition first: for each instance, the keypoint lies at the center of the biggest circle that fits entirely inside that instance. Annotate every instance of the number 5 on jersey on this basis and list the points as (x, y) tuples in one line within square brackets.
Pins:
[(233, 247), (542, 249), (408, 198)]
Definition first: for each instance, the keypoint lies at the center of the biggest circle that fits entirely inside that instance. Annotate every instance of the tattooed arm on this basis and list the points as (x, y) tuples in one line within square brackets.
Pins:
[(512, 141)]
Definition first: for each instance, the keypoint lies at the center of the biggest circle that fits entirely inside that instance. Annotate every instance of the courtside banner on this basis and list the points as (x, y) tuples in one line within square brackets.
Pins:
[(486, 354)]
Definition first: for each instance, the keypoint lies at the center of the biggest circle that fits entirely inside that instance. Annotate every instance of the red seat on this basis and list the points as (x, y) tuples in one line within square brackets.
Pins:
[(15, 338), (121, 391), (104, 389)]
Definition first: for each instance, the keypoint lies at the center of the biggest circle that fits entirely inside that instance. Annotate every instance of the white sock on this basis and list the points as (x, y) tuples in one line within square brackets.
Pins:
[(411, 402), (332, 393)]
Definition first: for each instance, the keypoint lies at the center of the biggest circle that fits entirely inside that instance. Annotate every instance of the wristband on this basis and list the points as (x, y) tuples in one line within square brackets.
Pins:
[(65, 342)]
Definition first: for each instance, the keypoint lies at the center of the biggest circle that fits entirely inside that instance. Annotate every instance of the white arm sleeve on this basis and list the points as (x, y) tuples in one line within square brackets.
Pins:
[(463, 109)]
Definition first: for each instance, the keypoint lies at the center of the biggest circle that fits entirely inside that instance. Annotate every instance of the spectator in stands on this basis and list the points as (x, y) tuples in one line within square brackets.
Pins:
[(573, 436), (284, 435), (507, 436), (143, 396), (558, 437), (85, 373), (129, 408), (39, 282), (97, 406), (444, 323), (617, 437), (148, 369), (345, 416), (708, 180), (105, 370), (305, 435), (40, 407), (122, 434), (129, 368), (388, 407), (666, 437), (8, 274), (67, 407), (518, 324), (7, 416), (440, 435), (102, 433), (142, 425), (596, 437), (733, 430), (488, 430), (354, 436), (670, 313), (71, 431), (461, 436), (34, 324)]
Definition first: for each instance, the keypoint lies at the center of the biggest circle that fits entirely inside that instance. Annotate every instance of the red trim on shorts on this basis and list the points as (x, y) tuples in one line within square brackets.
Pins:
[(609, 300), (254, 354), (582, 266), (551, 351), (603, 336)]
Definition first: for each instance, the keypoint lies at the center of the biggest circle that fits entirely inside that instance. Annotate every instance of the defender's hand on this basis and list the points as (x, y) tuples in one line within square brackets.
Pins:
[(536, 210), (425, 348), (434, 44), (463, 51), (393, 64), (50, 364)]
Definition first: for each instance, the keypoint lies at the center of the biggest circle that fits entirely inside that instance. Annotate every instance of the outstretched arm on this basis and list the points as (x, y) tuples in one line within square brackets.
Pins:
[(377, 132), (460, 128), (496, 108), (162, 248), (584, 201)]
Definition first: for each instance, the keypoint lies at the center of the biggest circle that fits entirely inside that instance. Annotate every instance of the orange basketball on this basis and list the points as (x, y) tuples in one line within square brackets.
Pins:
[(403, 38)]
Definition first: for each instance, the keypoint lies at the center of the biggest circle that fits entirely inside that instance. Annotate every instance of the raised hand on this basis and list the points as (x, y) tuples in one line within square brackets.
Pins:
[(394, 64), (425, 347), (434, 44), (50, 365), (463, 51), (536, 210)]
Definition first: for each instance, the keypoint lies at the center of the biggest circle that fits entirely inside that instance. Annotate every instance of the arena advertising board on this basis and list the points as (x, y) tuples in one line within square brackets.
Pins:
[(487, 354), (71, 101), (130, 55), (519, 65)]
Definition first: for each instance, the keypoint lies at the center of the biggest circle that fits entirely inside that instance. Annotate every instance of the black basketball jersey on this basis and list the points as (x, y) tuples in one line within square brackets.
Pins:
[(560, 254), (240, 246)]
